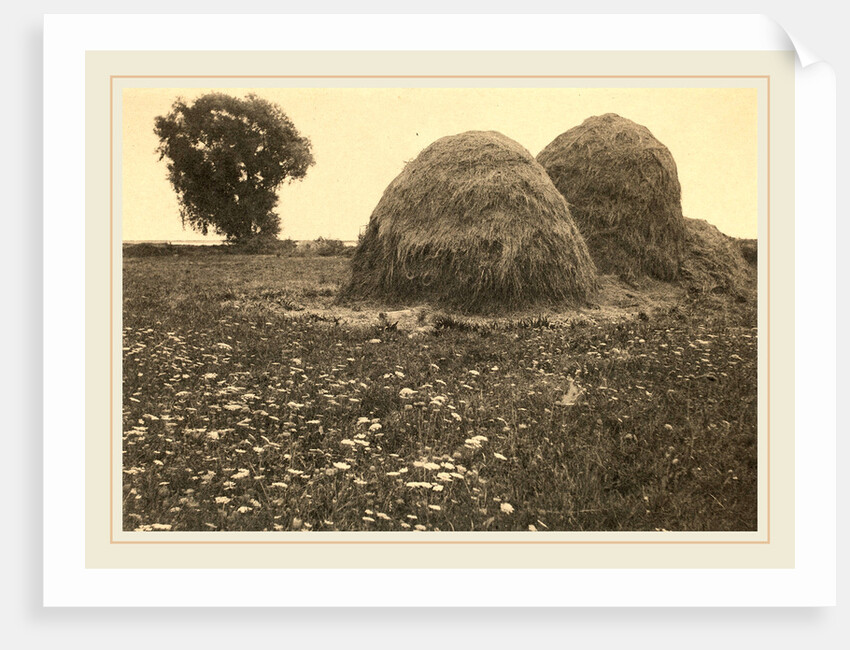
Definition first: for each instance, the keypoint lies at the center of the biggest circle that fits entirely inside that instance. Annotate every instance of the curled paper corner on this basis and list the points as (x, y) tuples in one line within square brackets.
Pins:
[(805, 56)]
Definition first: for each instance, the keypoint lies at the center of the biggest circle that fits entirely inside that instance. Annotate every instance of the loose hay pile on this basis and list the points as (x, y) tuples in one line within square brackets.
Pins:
[(749, 249), (623, 190), (474, 223), (713, 262)]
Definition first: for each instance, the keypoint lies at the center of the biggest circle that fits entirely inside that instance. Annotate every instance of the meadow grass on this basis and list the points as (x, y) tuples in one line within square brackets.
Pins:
[(248, 405)]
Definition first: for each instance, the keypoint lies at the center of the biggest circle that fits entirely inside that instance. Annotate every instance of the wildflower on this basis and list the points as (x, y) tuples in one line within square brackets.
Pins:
[(406, 392), (375, 427), (475, 442), (222, 500), (507, 508), (243, 509), (573, 394), (499, 456), (161, 526), (342, 465), (434, 507), (240, 473), (456, 416)]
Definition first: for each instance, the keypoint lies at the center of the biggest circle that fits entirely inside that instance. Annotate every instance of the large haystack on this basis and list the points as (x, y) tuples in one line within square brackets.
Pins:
[(623, 190), (713, 262), (473, 223)]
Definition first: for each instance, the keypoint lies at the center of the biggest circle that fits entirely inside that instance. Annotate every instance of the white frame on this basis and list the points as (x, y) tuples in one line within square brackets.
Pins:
[(68, 582)]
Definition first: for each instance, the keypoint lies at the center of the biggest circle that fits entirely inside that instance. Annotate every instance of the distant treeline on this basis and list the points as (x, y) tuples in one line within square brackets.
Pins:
[(320, 247)]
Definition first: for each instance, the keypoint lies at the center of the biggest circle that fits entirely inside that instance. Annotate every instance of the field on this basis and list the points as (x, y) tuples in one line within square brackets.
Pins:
[(253, 402)]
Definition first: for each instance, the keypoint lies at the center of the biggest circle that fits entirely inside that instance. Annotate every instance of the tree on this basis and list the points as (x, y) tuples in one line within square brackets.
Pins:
[(227, 157)]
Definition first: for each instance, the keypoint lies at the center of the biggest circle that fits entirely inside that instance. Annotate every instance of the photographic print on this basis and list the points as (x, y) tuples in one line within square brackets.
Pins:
[(502, 315), (467, 309)]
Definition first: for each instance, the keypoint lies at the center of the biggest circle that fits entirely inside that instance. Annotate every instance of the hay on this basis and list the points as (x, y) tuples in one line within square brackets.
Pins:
[(473, 223), (713, 262), (749, 249), (623, 191)]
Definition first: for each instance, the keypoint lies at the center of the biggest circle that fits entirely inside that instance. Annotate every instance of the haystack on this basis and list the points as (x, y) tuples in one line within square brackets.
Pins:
[(713, 262), (749, 249), (473, 223), (623, 190)]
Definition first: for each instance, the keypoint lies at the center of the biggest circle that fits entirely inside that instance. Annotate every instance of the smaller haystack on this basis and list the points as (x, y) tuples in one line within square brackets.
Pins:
[(749, 249), (473, 223), (623, 190), (713, 262)]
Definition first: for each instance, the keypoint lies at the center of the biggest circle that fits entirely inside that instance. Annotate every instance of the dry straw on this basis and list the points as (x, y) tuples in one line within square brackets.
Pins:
[(623, 191), (473, 223), (714, 262)]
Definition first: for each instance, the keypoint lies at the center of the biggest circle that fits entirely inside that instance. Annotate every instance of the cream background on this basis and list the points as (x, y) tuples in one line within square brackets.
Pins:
[(779, 552)]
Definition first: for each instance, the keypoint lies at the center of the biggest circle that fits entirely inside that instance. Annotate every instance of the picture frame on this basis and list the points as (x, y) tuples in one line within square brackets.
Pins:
[(801, 573)]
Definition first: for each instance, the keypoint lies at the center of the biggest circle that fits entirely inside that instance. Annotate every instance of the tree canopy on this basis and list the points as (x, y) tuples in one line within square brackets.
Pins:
[(227, 157)]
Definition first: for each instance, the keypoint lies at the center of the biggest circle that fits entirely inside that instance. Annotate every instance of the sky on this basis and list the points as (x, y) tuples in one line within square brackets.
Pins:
[(362, 138)]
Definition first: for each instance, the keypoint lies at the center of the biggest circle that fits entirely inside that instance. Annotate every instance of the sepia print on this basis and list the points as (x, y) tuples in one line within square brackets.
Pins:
[(439, 309)]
